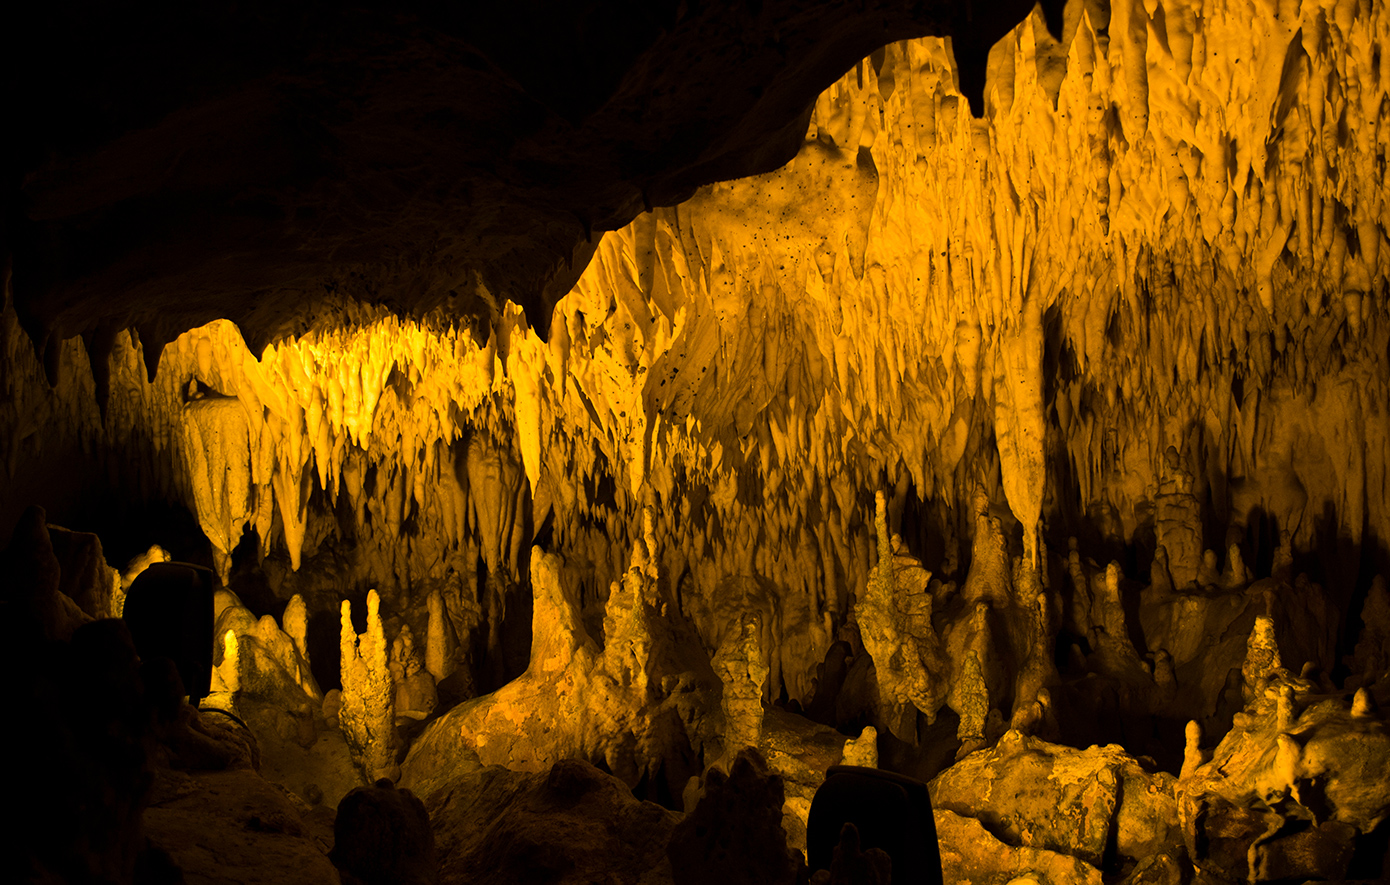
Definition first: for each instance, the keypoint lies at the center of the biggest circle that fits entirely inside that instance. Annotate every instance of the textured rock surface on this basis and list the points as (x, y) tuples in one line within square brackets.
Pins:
[(86, 578), (831, 428), (1292, 790), (572, 824), (895, 623), (799, 752), (307, 758), (1080, 803), (382, 836), (780, 398), (641, 704), (970, 855), (467, 158), (233, 827)]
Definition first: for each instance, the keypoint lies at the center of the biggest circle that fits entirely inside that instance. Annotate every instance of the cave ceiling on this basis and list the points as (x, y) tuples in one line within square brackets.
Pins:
[(264, 163), (997, 377)]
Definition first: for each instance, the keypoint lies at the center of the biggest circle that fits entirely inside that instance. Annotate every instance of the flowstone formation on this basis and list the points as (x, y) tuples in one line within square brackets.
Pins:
[(1046, 447), (643, 703)]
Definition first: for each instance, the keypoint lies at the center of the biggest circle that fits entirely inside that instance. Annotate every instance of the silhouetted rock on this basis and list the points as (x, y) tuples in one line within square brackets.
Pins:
[(734, 835), (382, 836), (572, 825)]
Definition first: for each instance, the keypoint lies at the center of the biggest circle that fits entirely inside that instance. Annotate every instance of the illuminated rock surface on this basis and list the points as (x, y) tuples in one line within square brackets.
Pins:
[(1078, 803), (992, 438), (1290, 788)]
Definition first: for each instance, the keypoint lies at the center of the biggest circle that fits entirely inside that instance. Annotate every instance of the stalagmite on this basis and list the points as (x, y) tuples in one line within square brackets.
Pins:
[(739, 666), (894, 620), (863, 750), (295, 621), (1192, 756), (230, 669), (367, 716), (1361, 705), (1261, 657), (1072, 418), (438, 660), (970, 700)]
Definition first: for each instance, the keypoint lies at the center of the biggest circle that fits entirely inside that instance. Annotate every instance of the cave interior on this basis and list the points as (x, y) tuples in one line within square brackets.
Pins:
[(537, 444)]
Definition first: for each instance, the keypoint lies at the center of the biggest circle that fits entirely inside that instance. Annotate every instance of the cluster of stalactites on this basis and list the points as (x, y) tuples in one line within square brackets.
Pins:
[(1144, 244)]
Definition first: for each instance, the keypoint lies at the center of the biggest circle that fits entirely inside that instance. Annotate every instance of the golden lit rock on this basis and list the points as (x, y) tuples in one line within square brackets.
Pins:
[(1010, 443), (367, 716)]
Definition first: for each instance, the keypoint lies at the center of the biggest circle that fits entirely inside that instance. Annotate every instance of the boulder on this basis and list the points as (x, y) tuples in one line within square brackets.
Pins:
[(1300, 782), (1033, 794), (571, 825), (971, 855), (800, 751), (382, 836)]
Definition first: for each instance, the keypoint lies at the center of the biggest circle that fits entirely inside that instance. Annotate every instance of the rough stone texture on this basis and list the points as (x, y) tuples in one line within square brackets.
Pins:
[(800, 752), (740, 664), (1141, 251), (86, 578), (1371, 658), (422, 158), (227, 828), (1290, 789), (1076, 802), (367, 716), (851, 348), (1156, 869), (1205, 636), (33, 580), (971, 855), (571, 825), (894, 615), (1178, 522), (217, 457), (203, 739), (641, 705), (270, 666), (314, 762)]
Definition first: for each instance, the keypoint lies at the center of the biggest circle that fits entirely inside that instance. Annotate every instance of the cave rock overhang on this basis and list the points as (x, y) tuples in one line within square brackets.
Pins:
[(270, 164)]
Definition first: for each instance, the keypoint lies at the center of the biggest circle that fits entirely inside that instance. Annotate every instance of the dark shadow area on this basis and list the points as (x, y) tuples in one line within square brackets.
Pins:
[(325, 652), (249, 582)]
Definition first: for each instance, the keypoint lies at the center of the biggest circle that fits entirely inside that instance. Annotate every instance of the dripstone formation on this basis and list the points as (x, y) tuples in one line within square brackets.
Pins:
[(590, 427)]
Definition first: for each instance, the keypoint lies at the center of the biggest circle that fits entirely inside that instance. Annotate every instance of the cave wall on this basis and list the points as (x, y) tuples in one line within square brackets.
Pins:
[(1168, 230)]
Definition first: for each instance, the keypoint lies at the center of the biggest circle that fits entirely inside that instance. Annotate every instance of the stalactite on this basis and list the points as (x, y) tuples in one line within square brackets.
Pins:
[(1143, 300)]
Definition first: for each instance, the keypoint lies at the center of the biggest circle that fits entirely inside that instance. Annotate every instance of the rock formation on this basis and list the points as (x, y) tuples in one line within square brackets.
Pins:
[(643, 704), (568, 824), (1289, 791), (994, 396), (367, 716)]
